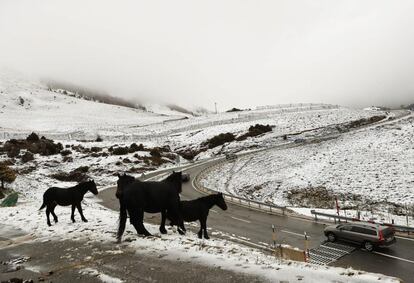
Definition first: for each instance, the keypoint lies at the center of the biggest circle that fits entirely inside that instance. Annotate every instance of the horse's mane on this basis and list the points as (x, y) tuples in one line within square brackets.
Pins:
[(80, 185), (208, 197), (175, 178), (129, 178)]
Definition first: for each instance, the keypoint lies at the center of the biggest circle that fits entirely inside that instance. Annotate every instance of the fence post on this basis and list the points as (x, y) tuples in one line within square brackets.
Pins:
[(274, 238), (406, 216), (306, 247), (337, 205)]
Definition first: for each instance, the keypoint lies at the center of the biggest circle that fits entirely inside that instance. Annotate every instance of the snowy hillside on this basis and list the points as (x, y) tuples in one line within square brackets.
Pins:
[(137, 141), (365, 169), (27, 107), (36, 176)]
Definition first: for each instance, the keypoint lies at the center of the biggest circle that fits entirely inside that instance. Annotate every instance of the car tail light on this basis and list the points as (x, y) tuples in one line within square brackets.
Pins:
[(381, 236)]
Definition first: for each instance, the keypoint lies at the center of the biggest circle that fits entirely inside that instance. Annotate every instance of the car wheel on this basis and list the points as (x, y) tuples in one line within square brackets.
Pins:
[(331, 237), (368, 246)]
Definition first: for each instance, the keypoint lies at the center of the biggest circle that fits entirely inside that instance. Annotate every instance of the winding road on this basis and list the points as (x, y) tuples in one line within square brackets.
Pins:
[(254, 228)]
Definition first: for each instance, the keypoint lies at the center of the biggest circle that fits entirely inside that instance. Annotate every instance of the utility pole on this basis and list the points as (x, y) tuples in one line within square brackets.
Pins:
[(215, 106)]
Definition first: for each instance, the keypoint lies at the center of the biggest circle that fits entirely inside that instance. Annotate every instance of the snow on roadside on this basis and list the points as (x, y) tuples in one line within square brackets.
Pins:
[(102, 276), (68, 117), (102, 227)]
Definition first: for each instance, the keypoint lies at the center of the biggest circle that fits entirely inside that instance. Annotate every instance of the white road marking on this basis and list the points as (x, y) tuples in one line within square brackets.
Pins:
[(293, 233), (404, 238), (395, 257), (240, 219)]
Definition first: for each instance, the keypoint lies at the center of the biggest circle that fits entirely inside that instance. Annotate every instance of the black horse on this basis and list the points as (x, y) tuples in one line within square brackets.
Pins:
[(137, 197), (69, 196), (197, 209)]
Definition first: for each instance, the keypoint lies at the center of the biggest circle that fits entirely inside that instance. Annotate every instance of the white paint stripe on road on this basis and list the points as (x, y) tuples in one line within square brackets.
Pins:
[(394, 257), (404, 238), (293, 233), (240, 219)]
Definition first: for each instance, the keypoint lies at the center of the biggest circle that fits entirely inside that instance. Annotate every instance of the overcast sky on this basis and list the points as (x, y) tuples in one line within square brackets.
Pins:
[(236, 53)]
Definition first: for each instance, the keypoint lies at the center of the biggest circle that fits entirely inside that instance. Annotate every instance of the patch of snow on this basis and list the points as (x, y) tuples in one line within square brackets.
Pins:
[(102, 276)]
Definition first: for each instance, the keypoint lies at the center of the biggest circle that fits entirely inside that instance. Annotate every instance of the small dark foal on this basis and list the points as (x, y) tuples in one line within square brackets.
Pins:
[(197, 209), (67, 196)]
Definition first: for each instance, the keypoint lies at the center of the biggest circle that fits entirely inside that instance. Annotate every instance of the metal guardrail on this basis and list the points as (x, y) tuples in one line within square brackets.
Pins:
[(399, 228), (273, 209)]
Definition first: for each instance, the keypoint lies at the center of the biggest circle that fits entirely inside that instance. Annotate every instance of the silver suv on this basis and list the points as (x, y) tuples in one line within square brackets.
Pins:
[(368, 235)]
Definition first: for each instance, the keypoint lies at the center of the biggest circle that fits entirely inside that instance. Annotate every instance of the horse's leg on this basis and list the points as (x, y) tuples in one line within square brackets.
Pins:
[(47, 216), (73, 213), (203, 222), (136, 218), (78, 205), (180, 231), (200, 232), (52, 210), (141, 223), (162, 226)]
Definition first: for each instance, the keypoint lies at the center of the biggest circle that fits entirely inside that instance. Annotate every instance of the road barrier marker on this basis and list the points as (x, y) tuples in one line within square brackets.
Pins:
[(306, 251)]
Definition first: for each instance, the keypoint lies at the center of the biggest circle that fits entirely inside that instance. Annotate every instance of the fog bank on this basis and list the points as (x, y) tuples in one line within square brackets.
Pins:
[(235, 53)]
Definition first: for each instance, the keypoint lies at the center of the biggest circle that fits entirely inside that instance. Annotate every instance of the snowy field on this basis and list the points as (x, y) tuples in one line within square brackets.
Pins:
[(367, 169), (102, 226), (27, 107)]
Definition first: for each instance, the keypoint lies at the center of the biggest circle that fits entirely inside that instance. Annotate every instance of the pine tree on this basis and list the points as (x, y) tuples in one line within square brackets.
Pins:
[(7, 175)]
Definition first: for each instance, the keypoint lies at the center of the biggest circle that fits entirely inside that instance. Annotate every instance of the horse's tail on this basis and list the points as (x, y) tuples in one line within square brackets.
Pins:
[(44, 202), (122, 219)]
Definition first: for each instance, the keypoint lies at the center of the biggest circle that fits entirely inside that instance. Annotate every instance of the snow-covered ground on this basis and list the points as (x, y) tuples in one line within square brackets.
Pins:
[(367, 169), (102, 226), (27, 107)]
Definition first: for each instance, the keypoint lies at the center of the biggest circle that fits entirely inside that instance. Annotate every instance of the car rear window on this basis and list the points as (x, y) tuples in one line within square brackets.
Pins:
[(386, 232)]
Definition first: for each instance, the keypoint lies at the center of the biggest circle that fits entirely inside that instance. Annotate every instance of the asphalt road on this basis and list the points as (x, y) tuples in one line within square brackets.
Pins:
[(254, 228)]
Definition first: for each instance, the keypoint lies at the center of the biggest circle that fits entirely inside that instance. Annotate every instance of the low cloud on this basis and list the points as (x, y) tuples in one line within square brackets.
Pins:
[(235, 53)]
